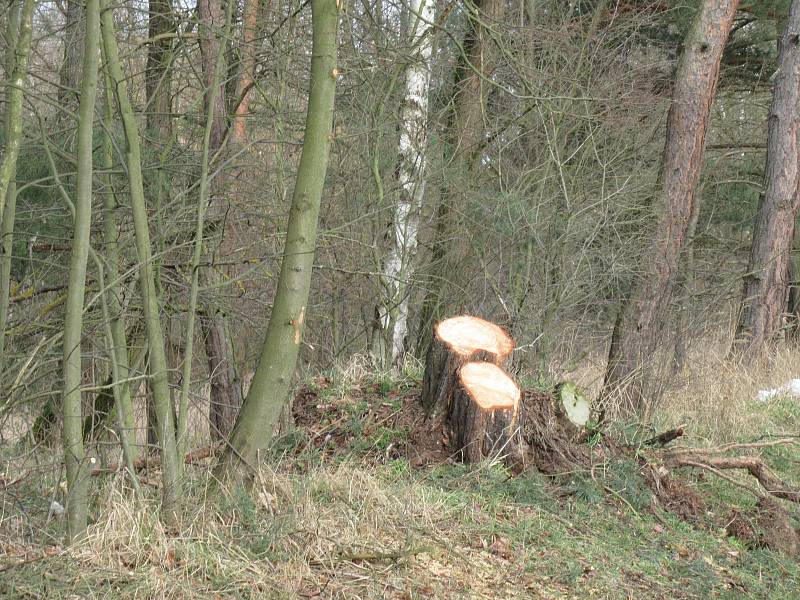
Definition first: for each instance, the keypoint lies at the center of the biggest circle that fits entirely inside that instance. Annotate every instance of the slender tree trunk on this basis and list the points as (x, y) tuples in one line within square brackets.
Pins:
[(171, 467), (77, 471), (225, 385), (249, 34), (630, 364), (6, 256), (8, 215), (222, 416), (398, 268), (268, 392), (766, 284), (466, 131), (226, 393), (212, 22), (158, 88), (158, 82), (119, 342), (14, 93), (74, 33)]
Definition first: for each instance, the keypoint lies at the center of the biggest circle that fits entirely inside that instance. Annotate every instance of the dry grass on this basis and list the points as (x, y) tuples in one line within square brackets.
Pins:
[(718, 399), (324, 526), (715, 397)]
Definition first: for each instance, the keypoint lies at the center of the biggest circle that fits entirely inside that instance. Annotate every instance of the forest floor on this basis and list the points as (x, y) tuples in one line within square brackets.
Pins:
[(349, 507)]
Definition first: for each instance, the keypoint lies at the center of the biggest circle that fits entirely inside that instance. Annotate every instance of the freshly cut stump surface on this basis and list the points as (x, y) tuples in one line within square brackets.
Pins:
[(484, 412), (457, 341)]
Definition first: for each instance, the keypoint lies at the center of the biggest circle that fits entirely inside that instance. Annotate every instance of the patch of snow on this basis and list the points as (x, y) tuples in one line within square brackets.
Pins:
[(56, 509), (790, 388)]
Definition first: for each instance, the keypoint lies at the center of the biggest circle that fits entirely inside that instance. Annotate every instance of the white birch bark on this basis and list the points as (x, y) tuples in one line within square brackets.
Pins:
[(398, 268)]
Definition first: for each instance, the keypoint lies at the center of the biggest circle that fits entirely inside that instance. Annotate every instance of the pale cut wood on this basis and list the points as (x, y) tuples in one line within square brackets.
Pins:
[(457, 341), (483, 418)]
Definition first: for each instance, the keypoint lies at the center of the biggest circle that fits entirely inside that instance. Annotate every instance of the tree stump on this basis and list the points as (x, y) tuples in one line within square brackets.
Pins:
[(457, 341), (483, 416), (553, 425)]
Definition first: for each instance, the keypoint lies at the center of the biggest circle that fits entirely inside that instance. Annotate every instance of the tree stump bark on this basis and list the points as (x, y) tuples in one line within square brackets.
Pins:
[(457, 341), (553, 425), (483, 415)]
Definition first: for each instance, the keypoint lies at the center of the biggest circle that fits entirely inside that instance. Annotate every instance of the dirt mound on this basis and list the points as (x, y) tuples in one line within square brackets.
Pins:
[(675, 496), (766, 525), (382, 424)]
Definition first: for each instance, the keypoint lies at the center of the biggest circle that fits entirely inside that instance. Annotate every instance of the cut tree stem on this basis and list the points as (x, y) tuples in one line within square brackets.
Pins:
[(457, 341)]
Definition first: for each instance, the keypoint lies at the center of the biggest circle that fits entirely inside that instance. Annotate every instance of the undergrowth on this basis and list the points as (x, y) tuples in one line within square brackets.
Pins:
[(352, 518)]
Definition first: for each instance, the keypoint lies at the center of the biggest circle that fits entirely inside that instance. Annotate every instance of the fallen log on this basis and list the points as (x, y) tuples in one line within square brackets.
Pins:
[(457, 341), (484, 413)]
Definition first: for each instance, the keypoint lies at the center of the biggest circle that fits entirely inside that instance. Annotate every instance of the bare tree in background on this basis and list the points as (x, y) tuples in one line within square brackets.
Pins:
[(465, 134), (226, 387)]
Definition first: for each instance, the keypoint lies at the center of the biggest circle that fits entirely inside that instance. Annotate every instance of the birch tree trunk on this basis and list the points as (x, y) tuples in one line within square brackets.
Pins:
[(268, 392), (631, 370), (398, 268), (766, 284), (74, 455), (171, 467)]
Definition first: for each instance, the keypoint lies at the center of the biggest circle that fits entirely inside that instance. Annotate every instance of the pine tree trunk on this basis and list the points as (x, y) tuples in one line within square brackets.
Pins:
[(171, 466), (631, 371), (457, 341), (483, 417), (77, 468), (268, 392), (248, 67), (766, 284)]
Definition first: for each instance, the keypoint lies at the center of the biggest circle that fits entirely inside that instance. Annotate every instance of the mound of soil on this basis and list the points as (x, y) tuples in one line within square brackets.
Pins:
[(766, 525), (394, 421), (675, 496)]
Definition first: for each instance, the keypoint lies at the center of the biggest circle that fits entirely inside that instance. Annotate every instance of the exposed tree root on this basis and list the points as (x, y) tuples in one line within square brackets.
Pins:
[(710, 460)]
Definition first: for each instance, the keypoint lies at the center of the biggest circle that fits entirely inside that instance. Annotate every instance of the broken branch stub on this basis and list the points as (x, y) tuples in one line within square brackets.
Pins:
[(457, 341), (483, 415)]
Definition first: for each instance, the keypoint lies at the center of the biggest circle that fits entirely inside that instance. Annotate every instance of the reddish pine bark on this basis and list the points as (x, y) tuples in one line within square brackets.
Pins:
[(766, 284), (631, 370)]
